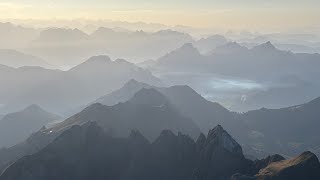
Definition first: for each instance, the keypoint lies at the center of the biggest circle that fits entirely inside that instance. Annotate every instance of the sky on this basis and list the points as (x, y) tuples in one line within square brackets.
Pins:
[(241, 14)]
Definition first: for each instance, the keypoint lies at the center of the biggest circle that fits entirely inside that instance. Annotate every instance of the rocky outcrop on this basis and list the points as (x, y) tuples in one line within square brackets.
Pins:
[(306, 166)]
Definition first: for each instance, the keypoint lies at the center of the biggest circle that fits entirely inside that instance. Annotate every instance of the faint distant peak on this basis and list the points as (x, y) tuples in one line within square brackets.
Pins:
[(122, 61), (268, 46), (188, 49), (140, 33), (230, 47), (217, 37), (62, 34), (99, 59), (233, 45), (33, 107), (168, 32), (105, 30), (102, 32), (92, 64), (95, 61), (132, 83)]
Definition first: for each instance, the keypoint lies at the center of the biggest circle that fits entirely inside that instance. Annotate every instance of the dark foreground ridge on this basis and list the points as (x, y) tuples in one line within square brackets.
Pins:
[(87, 152)]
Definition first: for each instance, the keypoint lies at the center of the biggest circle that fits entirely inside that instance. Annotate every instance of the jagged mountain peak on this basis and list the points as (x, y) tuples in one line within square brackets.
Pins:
[(222, 139), (167, 133), (135, 134), (230, 47)]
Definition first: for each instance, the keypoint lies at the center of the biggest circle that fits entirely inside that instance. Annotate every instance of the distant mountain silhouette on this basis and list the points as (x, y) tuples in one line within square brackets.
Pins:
[(185, 57), (58, 44), (232, 59), (229, 48), (17, 127), (188, 102), (61, 34), (264, 65), (123, 94), (206, 45), (59, 91), (17, 59), (15, 36)]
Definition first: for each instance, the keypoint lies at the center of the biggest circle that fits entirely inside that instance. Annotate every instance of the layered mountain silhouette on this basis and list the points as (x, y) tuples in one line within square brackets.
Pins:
[(188, 102), (59, 91), (58, 44), (87, 152), (264, 131), (15, 36), (17, 59), (232, 59), (148, 111), (61, 34), (17, 127), (243, 75), (206, 45), (179, 108)]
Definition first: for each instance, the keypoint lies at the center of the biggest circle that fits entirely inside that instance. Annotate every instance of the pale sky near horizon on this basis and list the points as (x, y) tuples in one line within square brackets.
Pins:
[(196, 13)]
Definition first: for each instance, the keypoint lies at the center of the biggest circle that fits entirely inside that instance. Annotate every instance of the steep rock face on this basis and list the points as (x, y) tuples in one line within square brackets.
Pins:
[(173, 156), (87, 152), (220, 157)]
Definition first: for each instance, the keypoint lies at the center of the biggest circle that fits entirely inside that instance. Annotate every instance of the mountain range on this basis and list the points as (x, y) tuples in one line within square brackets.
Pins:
[(232, 59), (87, 152), (151, 109), (58, 44), (148, 111), (240, 78), (61, 91), (261, 131), (17, 59)]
